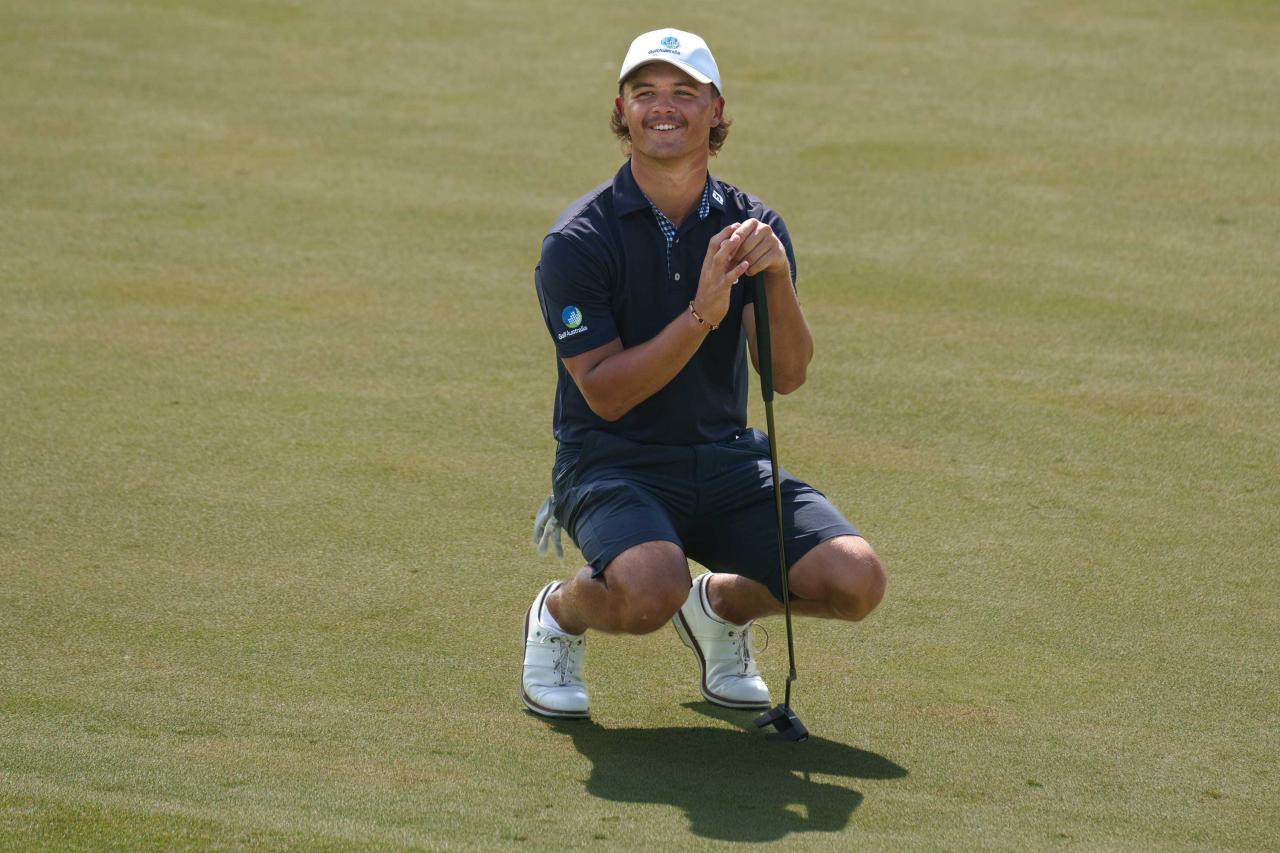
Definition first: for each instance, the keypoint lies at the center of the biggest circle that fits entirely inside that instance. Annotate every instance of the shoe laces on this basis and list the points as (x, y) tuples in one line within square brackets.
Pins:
[(741, 640), (568, 664)]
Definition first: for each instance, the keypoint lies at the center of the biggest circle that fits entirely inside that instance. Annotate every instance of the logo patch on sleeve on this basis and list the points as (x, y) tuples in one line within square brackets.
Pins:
[(571, 317)]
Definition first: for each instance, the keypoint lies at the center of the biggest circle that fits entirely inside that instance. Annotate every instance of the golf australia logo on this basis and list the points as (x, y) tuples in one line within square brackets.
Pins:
[(571, 316), (670, 44)]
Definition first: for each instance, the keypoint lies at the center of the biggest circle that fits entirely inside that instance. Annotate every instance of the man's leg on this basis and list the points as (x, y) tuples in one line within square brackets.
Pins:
[(833, 573), (841, 578), (638, 592), (621, 503)]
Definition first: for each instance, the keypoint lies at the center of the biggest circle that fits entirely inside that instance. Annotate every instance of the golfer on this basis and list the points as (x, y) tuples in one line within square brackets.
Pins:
[(647, 286)]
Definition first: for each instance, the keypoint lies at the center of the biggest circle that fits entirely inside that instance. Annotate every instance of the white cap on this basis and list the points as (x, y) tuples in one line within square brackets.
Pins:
[(684, 50)]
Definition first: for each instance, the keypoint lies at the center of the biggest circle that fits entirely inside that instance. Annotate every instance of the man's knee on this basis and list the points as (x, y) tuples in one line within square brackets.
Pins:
[(853, 579), (647, 611), (650, 582), (863, 580)]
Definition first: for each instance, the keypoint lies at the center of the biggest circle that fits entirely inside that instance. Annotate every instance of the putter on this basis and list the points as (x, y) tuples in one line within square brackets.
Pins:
[(784, 720)]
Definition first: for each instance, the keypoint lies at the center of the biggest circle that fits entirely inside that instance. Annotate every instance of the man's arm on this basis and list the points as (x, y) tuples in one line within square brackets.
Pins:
[(791, 341), (614, 379)]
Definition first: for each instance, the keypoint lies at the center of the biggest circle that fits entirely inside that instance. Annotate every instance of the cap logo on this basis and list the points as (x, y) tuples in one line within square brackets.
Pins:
[(671, 42)]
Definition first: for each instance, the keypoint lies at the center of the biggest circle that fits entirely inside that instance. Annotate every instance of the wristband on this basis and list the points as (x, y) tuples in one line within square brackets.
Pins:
[(701, 322)]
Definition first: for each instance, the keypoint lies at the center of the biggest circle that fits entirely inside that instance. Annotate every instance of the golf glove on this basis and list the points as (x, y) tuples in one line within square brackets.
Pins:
[(546, 530)]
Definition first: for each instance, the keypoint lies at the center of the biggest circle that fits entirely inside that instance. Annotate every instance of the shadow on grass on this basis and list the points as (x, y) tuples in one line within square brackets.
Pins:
[(732, 785)]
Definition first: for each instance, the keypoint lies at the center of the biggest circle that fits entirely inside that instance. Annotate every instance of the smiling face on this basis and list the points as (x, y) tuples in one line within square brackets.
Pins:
[(668, 113)]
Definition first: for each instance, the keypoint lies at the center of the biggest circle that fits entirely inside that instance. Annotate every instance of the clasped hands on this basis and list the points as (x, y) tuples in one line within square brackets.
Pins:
[(743, 248)]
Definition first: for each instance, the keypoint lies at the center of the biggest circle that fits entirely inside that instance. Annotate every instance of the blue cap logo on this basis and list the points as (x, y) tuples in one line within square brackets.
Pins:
[(671, 43), (571, 316)]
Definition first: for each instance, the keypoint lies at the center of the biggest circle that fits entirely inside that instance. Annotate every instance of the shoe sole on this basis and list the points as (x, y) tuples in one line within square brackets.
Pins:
[(686, 637), (541, 710)]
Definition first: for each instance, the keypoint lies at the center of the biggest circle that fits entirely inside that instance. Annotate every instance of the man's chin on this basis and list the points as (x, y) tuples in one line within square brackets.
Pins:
[(669, 152)]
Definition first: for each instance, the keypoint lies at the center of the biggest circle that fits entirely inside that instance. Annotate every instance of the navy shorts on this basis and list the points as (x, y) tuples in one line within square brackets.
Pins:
[(715, 501)]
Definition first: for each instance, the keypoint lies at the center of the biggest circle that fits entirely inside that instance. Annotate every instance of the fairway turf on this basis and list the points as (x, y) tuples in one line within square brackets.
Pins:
[(275, 400)]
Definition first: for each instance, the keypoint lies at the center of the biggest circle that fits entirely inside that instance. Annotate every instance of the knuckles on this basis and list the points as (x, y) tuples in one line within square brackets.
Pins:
[(738, 240)]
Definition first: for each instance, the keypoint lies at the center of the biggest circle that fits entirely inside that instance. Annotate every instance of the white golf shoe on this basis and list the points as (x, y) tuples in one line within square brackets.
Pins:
[(551, 684), (729, 674)]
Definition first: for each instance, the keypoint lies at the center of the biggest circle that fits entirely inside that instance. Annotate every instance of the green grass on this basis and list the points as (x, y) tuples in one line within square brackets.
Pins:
[(275, 402)]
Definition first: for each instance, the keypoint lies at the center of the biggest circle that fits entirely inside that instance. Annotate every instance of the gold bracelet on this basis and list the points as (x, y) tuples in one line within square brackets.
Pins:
[(701, 322)]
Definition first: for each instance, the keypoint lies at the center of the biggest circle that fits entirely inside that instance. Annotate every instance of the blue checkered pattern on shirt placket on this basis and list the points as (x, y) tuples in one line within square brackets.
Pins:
[(668, 227)]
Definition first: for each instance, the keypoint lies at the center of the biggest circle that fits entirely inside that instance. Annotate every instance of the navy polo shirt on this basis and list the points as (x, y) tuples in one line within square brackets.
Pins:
[(607, 271)]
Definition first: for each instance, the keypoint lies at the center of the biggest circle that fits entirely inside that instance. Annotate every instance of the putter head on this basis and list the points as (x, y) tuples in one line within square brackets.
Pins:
[(785, 721)]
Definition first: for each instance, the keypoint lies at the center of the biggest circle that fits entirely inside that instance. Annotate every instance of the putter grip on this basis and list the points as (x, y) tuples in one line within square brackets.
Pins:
[(764, 349)]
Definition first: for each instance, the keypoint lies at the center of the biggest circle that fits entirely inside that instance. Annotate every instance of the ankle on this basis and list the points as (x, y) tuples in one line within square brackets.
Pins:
[(556, 610), (720, 604), (738, 601)]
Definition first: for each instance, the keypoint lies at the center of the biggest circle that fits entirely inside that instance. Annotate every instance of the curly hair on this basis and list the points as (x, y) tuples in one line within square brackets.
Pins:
[(618, 124)]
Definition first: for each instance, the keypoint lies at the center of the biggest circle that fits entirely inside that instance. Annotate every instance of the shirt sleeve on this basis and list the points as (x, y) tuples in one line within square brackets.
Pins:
[(574, 293)]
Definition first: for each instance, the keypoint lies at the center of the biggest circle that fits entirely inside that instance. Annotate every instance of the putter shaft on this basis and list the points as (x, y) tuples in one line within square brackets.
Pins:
[(764, 352), (782, 559)]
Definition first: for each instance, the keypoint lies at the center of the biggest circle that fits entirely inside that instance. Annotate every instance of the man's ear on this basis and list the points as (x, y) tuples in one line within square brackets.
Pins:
[(715, 118)]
